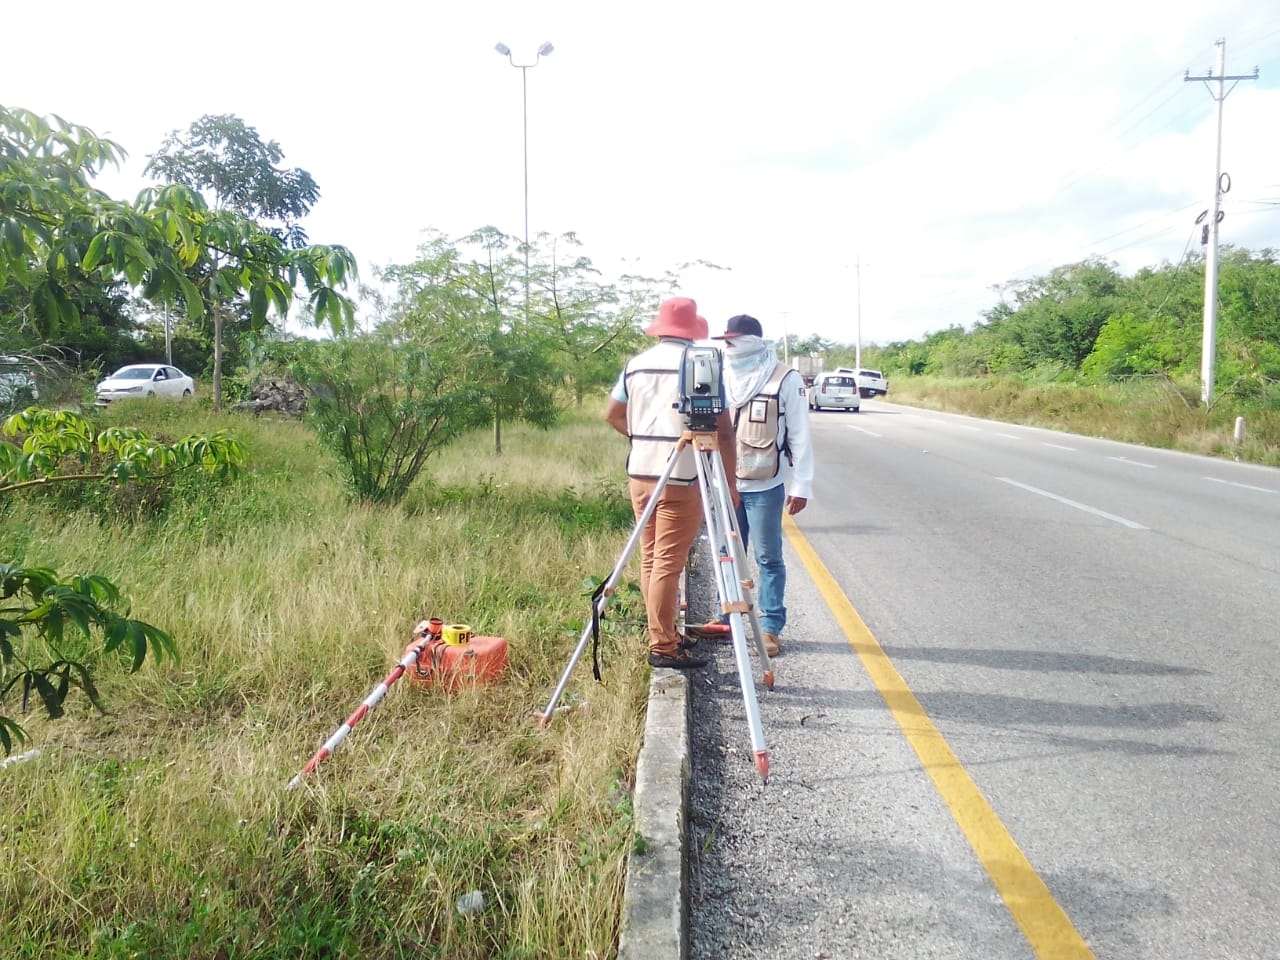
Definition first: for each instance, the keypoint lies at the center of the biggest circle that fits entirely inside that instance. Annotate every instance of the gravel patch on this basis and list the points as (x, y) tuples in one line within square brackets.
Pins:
[(846, 851)]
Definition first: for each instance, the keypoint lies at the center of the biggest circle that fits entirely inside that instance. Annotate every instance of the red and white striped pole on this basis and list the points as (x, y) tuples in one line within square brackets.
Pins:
[(371, 701)]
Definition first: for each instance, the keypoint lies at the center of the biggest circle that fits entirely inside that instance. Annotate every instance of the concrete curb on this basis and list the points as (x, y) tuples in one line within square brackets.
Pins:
[(654, 900)]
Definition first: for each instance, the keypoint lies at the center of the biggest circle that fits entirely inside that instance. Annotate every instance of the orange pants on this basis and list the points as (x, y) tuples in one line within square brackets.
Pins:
[(665, 543)]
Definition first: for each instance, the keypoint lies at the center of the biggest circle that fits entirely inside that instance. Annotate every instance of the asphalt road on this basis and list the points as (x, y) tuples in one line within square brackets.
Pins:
[(1083, 757)]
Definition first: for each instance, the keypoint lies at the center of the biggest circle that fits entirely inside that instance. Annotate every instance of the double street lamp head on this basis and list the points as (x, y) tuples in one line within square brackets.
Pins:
[(543, 51)]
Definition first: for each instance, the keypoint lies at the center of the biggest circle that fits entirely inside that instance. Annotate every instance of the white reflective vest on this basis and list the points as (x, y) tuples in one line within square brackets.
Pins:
[(653, 423), (756, 424)]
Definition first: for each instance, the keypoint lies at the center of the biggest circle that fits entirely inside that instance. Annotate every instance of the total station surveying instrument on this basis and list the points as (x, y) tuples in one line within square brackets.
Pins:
[(701, 401)]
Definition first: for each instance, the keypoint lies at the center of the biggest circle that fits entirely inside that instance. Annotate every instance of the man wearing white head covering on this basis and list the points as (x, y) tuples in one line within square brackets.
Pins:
[(770, 414)]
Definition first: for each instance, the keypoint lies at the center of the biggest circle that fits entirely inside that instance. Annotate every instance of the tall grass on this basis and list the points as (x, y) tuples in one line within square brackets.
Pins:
[(164, 830), (1154, 412)]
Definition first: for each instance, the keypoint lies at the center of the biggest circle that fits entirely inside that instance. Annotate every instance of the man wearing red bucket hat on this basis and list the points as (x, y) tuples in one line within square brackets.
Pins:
[(643, 408)]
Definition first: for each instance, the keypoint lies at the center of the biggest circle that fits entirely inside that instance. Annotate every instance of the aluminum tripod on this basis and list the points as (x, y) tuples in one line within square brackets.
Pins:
[(731, 587)]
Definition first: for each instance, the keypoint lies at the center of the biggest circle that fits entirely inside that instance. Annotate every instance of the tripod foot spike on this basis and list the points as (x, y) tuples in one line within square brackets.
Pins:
[(768, 679), (762, 763), (542, 719)]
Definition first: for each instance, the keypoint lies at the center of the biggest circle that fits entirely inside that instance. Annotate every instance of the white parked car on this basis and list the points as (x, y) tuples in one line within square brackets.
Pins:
[(834, 391), (17, 382), (145, 380)]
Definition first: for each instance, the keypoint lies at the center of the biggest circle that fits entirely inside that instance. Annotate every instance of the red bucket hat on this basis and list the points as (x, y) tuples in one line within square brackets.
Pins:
[(678, 317)]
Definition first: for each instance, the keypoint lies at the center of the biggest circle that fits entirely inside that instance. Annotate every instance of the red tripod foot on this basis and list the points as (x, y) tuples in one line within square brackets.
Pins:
[(762, 763)]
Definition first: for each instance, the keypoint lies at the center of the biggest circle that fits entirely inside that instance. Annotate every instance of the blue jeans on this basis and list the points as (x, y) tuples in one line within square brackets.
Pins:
[(760, 518)]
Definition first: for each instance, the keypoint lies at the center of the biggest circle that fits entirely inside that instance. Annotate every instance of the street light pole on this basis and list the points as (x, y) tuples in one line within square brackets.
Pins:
[(545, 50)]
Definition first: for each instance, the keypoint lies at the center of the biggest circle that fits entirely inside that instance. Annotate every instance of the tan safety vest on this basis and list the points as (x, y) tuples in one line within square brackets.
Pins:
[(653, 422), (759, 443)]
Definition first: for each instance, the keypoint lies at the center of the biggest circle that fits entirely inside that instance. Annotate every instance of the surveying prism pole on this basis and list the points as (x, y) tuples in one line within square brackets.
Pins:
[(375, 695)]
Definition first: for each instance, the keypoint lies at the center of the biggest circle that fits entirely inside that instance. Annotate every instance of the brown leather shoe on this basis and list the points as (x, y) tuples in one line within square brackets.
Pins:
[(771, 644)]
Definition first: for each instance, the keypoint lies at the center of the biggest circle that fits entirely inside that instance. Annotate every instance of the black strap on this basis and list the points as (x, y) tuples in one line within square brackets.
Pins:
[(596, 594)]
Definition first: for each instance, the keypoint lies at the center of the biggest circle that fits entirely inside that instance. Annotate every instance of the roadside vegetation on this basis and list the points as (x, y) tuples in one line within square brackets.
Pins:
[(194, 598), (162, 828), (228, 618)]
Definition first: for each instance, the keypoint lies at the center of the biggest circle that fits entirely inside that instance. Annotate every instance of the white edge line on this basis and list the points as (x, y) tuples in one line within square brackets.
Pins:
[(869, 433), (1009, 436), (1071, 503), (1133, 463), (1058, 446), (1243, 486)]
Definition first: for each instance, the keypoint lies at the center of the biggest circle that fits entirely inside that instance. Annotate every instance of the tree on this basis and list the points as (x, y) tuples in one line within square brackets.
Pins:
[(251, 242), (1249, 315), (55, 230), (1056, 318), (52, 220), (461, 300), (58, 445), (221, 156), (799, 346), (590, 325)]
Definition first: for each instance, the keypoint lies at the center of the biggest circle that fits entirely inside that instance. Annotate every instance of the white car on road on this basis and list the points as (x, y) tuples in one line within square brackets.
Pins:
[(145, 380), (834, 391)]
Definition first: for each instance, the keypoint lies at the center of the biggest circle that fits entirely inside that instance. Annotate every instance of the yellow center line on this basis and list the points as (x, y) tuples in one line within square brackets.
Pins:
[(1045, 924)]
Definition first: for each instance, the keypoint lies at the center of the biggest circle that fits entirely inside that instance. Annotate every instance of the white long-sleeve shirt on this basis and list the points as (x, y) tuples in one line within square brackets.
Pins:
[(793, 421)]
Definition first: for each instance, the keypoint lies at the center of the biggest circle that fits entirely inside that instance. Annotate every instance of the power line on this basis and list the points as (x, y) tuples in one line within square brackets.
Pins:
[(1139, 226), (1080, 173)]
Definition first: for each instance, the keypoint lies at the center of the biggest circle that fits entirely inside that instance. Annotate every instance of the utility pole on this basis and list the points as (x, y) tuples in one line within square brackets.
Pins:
[(857, 347), (786, 339), (168, 336), (1209, 236)]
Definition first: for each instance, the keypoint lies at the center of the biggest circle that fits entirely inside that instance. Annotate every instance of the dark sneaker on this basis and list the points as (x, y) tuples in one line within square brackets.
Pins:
[(683, 660), (688, 642)]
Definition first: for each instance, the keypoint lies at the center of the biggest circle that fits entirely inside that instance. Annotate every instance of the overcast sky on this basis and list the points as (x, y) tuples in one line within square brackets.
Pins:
[(881, 167)]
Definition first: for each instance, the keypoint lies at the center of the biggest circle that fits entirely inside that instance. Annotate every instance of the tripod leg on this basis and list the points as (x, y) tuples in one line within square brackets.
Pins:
[(732, 599), (610, 585), (734, 548)]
